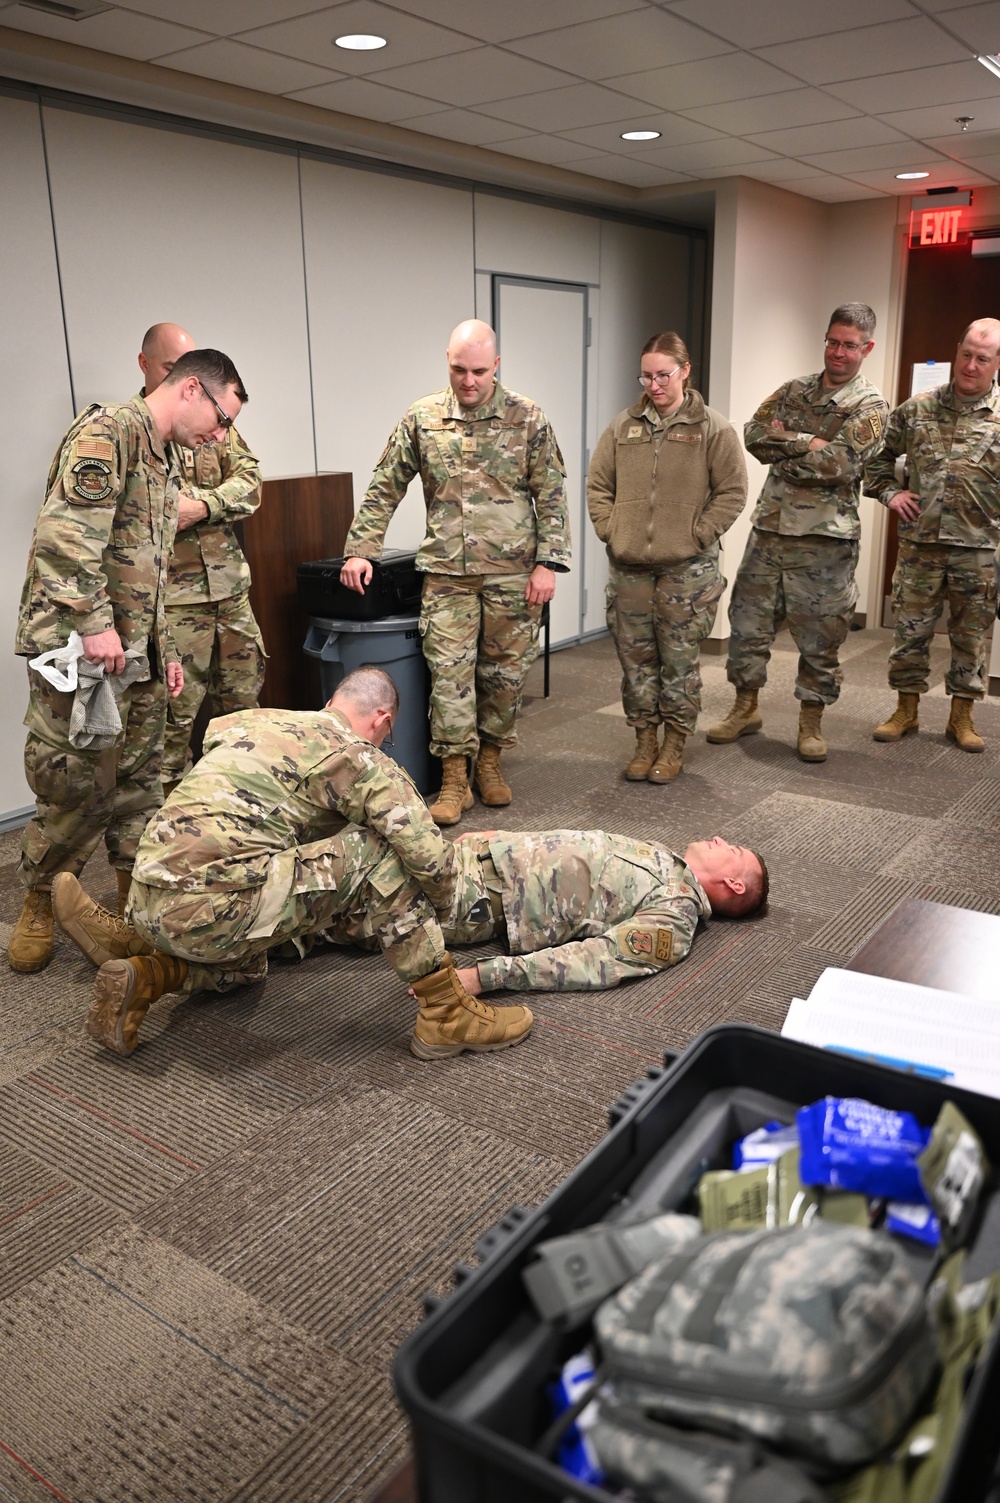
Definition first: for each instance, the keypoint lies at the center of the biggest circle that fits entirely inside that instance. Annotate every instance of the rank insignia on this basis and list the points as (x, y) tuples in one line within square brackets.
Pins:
[(90, 479), (634, 433), (639, 941)]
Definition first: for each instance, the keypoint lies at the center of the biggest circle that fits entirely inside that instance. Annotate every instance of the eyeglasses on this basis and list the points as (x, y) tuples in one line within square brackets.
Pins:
[(387, 738), (662, 378), (847, 345), (225, 421)]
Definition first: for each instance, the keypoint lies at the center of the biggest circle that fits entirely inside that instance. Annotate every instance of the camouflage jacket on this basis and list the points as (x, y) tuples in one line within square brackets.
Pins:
[(494, 484), (584, 909), (101, 546), (271, 781), (953, 464), (208, 562), (815, 491)]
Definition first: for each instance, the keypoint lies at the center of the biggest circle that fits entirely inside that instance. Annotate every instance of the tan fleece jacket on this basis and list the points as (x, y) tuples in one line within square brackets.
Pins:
[(659, 497)]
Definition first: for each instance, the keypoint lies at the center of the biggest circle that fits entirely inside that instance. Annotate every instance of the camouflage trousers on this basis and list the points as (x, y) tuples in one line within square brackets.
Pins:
[(926, 575), (220, 648), (480, 637), (807, 583), (353, 881), (659, 621), (82, 795)]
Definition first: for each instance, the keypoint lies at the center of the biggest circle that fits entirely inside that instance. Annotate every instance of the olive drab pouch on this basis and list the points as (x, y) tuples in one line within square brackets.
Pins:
[(815, 1340)]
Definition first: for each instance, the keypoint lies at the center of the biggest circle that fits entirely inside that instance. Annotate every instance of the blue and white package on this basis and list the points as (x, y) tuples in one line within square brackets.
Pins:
[(850, 1144), (764, 1145), (575, 1454), (918, 1222)]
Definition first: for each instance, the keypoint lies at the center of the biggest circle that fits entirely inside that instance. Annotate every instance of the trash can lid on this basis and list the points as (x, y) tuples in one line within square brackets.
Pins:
[(384, 624)]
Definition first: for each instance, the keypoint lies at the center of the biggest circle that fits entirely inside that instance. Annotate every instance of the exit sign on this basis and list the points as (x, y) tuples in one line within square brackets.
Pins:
[(935, 226)]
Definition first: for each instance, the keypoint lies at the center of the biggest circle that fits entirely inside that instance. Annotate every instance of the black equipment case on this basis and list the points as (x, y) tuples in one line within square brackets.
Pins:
[(394, 589), (472, 1376)]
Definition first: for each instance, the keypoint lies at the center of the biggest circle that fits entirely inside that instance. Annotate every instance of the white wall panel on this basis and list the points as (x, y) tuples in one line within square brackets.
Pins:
[(390, 273), (34, 392), (155, 225), (530, 240)]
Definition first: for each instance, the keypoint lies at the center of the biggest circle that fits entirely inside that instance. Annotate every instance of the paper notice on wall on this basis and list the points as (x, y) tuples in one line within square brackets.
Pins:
[(929, 373)]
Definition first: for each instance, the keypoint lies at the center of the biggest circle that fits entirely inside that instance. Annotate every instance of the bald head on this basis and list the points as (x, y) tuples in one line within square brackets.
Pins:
[(472, 362), (162, 346), (977, 359)]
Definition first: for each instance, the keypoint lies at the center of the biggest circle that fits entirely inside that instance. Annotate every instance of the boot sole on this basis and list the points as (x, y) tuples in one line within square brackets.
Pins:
[(637, 777), (747, 730), (888, 740), (662, 777), (494, 800), (812, 756), (952, 737), (27, 970), (448, 1051), (109, 1010)]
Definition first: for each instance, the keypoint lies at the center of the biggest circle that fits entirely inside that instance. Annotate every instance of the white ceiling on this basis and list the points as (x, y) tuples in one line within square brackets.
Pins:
[(830, 101)]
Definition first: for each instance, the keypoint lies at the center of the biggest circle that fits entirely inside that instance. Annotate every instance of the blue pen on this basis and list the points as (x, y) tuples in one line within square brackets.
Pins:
[(929, 1072)]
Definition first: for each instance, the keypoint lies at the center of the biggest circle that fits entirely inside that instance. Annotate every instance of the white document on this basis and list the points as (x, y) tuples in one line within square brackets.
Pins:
[(929, 373), (901, 1021)]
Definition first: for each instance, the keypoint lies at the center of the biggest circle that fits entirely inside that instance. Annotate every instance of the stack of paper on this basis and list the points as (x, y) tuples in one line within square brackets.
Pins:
[(935, 1032)]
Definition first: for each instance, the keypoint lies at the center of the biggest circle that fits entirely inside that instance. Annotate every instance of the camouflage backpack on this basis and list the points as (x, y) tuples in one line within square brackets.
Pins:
[(814, 1340)]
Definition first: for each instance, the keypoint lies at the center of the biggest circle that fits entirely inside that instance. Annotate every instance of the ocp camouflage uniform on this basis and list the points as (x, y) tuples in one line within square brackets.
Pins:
[(99, 558), (494, 487), (952, 450), (289, 820), (802, 553), (208, 605)]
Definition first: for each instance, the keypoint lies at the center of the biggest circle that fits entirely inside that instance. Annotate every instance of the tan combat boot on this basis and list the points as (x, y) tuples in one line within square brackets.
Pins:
[(744, 719), (30, 945), (490, 785), (902, 720), (123, 993), (450, 1020), (124, 886), (811, 747), (671, 759), (646, 752), (456, 795), (960, 728), (100, 934)]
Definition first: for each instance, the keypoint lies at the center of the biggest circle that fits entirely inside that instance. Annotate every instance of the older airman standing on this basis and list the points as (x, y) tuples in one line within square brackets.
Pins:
[(497, 534)]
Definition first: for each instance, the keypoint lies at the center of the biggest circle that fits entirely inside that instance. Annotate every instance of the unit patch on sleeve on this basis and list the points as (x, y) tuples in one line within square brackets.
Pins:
[(639, 941), (664, 945), (91, 479)]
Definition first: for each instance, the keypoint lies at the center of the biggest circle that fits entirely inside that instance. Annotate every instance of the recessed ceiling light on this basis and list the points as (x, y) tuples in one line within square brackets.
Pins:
[(640, 135), (990, 60), (905, 176), (359, 43)]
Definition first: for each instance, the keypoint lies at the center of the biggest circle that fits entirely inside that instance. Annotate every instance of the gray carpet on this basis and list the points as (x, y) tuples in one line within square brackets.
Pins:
[(209, 1252)]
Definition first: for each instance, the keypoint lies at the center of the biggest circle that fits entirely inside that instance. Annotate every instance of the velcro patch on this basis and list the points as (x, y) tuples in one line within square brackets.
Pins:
[(635, 432), (95, 448), (91, 479), (639, 941), (664, 945), (677, 436)]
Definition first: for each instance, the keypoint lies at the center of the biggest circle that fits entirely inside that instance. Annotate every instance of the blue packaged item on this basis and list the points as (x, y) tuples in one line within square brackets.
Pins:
[(764, 1145), (575, 1454), (851, 1144), (918, 1222)]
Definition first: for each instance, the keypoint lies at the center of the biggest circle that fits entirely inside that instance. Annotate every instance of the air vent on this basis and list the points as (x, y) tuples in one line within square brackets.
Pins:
[(64, 11)]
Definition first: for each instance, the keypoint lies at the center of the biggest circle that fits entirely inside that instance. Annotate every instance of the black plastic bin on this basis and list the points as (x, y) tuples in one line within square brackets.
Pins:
[(394, 588), (472, 1376)]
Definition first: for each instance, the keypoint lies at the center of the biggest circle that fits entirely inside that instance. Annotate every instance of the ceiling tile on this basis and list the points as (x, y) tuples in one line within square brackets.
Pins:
[(621, 170), (117, 31), (460, 125), (967, 147), (622, 44), (539, 148), (773, 111), (953, 83), (238, 64), (901, 156), (372, 101), (312, 37), (515, 18), (729, 152), (674, 131), (831, 190), (563, 109), (835, 135), (224, 17), (978, 25), (767, 21), (867, 51), (780, 170), (988, 166), (733, 76), (941, 174), (939, 119), (474, 78)]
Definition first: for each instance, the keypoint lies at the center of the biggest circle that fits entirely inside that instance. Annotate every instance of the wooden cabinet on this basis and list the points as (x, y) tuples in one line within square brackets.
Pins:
[(299, 518)]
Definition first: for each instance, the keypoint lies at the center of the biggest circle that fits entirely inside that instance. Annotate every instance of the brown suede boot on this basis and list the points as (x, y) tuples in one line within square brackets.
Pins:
[(100, 934), (902, 720), (646, 752), (123, 993), (449, 1020), (30, 944), (743, 720), (456, 795), (960, 728), (811, 747), (671, 759), (490, 786), (124, 886)]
